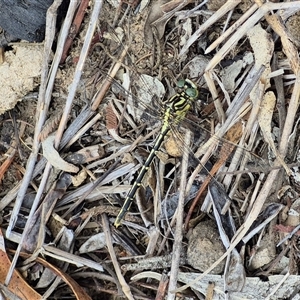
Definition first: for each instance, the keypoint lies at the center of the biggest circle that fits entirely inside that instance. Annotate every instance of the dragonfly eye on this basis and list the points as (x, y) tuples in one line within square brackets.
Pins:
[(181, 83), (191, 92)]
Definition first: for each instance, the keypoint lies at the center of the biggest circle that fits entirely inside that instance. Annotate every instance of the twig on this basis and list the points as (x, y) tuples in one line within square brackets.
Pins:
[(86, 127), (179, 222), (74, 28), (264, 9), (107, 82)]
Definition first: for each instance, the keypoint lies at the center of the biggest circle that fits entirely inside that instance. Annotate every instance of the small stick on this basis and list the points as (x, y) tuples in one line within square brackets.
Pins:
[(179, 222), (107, 82), (74, 29)]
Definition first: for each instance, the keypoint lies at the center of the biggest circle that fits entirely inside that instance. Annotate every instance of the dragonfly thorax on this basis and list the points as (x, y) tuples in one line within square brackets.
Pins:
[(178, 105)]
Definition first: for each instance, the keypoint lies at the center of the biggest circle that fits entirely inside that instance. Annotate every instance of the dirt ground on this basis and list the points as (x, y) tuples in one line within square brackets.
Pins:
[(217, 215)]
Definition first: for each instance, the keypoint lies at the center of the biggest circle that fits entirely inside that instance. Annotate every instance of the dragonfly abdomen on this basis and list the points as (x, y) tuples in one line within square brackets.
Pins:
[(138, 181)]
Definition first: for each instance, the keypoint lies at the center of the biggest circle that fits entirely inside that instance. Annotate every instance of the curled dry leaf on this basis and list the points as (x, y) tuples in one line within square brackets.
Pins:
[(148, 274), (169, 205), (112, 124), (50, 126), (65, 243), (53, 157), (155, 88), (235, 275)]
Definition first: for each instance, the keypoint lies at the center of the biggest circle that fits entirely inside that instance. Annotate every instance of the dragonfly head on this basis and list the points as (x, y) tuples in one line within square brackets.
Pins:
[(189, 88)]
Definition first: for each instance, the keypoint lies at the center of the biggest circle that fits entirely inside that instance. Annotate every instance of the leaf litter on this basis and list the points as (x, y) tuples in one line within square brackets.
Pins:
[(252, 209)]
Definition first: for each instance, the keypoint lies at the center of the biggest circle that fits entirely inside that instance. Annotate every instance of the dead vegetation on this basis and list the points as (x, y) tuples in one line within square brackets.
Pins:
[(66, 170)]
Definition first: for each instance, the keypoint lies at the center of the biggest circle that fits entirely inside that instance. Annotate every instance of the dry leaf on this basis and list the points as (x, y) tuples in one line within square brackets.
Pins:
[(264, 120), (157, 17), (235, 275), (17, 284), (288, 47), (53, 157), (112, 124), (77, 289), (65, 243), (263, 48), (85, 155), (155, 14), (44, 211), (95, 242)]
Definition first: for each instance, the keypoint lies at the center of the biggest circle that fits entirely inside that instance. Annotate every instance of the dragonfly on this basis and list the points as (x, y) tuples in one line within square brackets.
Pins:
[(175, 110)]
